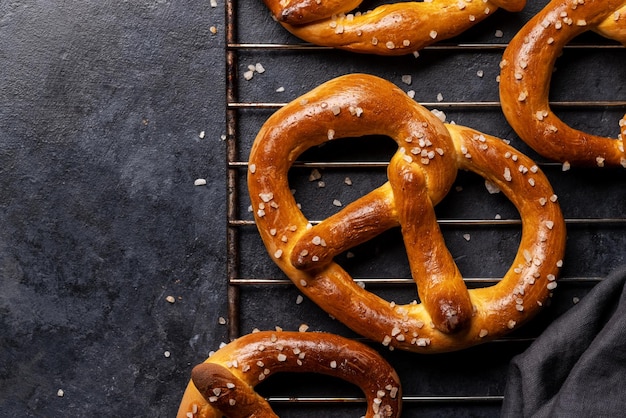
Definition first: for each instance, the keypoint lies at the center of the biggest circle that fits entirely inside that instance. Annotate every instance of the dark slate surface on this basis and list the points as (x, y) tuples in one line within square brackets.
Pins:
[(101, 108)]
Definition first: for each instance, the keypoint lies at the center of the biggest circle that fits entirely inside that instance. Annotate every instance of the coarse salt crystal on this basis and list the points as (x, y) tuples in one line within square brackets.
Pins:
[(507, 174)]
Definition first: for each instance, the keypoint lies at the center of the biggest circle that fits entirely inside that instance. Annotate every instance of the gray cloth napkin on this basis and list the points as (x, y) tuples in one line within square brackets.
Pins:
[(577, 366)]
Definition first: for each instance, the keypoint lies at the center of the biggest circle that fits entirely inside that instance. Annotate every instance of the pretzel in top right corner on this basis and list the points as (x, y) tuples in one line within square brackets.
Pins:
[(526, 70)]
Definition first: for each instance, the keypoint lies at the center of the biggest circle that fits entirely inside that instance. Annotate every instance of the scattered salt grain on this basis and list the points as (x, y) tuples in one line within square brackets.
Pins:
[(441, 115), (315, 175)]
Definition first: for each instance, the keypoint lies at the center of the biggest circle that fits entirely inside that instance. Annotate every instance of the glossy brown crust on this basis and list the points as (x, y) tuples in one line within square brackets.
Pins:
[(299, 12), (224, 384), (527, 67), (424, 168), (392, 29)]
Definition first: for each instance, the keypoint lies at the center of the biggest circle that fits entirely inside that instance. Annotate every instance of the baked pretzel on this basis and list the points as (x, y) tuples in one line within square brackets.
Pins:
[(527, 67), (392, 29), (422, 171), (224, 384)]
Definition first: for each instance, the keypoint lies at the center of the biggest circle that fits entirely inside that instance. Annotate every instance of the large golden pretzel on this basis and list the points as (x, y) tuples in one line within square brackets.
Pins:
[(392, 29), (224, 384), (527, 67), (449, 317)]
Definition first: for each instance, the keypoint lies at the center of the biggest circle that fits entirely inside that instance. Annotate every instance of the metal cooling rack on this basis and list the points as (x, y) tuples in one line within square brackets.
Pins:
[(593, 225)]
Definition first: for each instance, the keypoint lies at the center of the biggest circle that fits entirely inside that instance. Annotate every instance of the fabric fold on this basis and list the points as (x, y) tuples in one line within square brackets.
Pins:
[(577, 366)]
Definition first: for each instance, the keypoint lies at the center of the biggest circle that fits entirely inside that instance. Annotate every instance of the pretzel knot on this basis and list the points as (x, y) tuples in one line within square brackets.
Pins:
[(224, 384), (527, 66), (422, 171), (392, 29)]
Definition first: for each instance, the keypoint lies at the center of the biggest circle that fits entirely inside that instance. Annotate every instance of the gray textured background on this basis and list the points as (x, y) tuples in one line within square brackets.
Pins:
[(101, 108)]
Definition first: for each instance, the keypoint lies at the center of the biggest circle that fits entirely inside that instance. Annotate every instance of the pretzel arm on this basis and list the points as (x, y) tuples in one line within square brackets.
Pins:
[(298, 12), (439, 282), (531, 277), (390, 29), (229, 394), (614, 25), (395, 29), (355, 224)]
